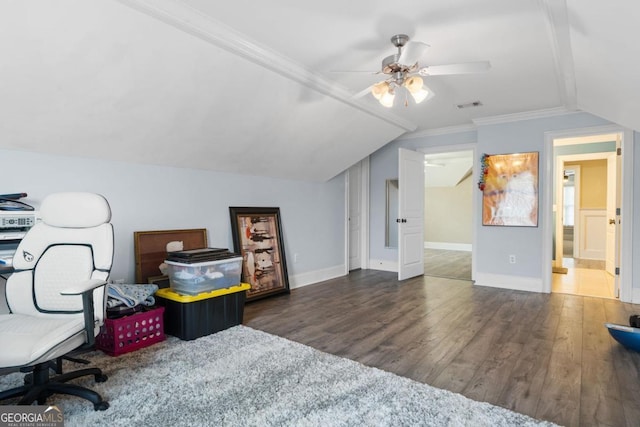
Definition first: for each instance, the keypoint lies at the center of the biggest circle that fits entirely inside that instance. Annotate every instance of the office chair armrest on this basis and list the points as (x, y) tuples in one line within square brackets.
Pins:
[(82, 287), (86, 290)]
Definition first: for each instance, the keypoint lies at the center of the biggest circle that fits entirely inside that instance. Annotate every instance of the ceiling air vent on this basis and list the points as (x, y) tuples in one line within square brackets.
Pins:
[(470, 105)]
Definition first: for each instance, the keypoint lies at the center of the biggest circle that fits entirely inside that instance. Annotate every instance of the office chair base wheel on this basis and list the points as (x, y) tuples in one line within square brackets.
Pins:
[(101, 378), (101, 406)]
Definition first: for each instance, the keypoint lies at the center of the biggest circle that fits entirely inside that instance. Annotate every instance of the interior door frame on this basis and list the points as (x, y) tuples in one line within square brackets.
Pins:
[(559, 201), (476, 197), (364, 216), (612, 203), (576, 202), (626, 204)]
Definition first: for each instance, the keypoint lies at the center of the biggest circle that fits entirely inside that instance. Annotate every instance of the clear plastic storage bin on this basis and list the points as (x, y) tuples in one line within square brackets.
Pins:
[(206, 276)]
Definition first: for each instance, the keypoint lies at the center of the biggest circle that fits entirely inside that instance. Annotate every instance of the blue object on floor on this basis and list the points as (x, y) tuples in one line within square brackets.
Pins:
[(625, 335)]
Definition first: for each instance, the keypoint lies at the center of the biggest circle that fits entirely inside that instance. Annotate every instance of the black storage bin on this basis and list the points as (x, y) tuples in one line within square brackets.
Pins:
[(192, 316)]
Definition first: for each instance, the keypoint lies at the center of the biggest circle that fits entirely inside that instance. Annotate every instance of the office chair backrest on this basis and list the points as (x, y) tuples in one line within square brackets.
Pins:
[(73, 242)]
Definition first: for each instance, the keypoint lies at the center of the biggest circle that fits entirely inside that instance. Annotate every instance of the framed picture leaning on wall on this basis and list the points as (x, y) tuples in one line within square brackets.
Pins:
[(257, 236)]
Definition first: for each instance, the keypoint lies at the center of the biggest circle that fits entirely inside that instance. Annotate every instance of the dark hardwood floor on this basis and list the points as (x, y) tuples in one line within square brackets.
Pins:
[(545, 355), (447, 263)]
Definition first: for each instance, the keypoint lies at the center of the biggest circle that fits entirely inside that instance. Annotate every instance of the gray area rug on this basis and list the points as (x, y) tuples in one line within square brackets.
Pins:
[(244, 377)]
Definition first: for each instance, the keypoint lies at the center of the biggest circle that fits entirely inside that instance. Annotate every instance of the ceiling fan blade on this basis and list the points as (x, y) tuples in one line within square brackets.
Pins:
[(356, 71), (412, 52), (462, 68)]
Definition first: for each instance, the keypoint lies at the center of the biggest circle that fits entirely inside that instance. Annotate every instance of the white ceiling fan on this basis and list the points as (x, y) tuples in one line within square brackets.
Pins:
[(405, 71)]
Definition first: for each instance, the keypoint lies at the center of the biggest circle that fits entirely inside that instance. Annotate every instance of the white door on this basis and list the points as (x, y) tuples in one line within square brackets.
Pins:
[(610, 253), (355, 216), (411, 214), (613, 201), (559, 212)]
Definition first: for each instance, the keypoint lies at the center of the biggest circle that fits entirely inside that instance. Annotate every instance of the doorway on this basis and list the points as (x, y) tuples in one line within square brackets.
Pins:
[(448, 214), (357, 216), (587, 193)]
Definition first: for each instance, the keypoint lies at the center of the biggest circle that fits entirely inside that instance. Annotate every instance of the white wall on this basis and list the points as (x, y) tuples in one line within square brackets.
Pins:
[(448, 213), (144, 197)]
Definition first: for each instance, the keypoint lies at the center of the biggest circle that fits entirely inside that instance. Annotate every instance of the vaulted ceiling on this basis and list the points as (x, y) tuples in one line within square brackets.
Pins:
[(256, 87)]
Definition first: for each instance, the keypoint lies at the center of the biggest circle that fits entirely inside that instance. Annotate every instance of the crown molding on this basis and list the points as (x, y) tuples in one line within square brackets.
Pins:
[(439, 131), (192, 21), (489, 120), (526, 115)]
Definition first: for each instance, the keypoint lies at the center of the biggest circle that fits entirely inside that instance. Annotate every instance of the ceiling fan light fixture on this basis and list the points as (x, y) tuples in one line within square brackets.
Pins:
[(404, 68), (387, 99), (383, 92), (420, 95), (378, 90), (416, 88)]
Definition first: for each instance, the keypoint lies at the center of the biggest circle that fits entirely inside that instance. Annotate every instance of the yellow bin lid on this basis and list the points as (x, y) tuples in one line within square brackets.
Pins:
[(167, 293)]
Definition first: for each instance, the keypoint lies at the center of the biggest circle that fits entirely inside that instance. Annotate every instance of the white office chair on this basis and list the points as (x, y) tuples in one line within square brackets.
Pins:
[(57, 296)]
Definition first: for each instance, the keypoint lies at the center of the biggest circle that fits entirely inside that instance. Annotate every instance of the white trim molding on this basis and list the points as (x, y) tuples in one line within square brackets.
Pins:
[(503, 281), (439, 131), (365, 178), (312, 277), (527, 115), (449, 148), (467, 247), (383, 265), (347, 237), (626, 225), (364, 215)]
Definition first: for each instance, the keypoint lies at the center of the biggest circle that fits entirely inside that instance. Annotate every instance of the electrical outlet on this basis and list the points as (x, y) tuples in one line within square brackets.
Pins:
[(118, 282), (512, 259)]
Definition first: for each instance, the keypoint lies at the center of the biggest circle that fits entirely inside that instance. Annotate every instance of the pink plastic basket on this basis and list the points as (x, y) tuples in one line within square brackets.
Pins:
[(130, 333)]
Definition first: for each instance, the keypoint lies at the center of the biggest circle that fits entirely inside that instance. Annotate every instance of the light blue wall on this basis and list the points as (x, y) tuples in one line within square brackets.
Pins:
[(494, 244), (144, 197)]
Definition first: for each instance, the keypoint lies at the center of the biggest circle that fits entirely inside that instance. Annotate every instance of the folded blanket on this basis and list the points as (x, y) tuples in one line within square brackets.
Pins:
[(130, 295)]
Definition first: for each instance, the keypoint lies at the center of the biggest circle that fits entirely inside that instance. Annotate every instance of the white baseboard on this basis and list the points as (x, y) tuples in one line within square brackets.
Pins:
[(517, 283), (383, 265), (449, 246), (635, 296), (311, 277)]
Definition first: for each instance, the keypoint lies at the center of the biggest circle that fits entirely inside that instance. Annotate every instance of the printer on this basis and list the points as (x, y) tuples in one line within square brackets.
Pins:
[(15, 224), (16, 218), (13, 227)]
